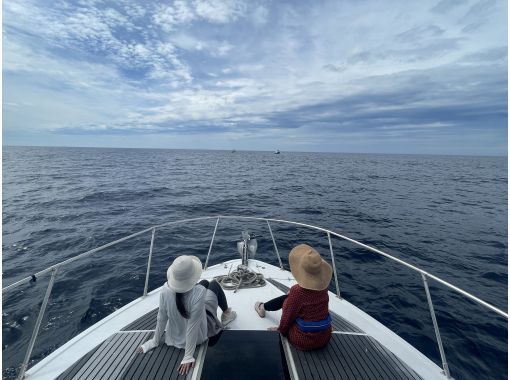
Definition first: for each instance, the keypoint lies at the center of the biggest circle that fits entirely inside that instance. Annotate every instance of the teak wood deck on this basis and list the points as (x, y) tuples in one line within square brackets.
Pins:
[(351, 354)]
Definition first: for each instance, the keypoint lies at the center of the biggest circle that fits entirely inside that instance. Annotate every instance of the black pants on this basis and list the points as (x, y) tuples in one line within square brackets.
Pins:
[(222, 303), (216, 289), (275, 303)]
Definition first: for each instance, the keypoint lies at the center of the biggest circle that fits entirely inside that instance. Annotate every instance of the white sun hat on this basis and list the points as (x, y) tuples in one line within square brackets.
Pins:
[(184, 273)]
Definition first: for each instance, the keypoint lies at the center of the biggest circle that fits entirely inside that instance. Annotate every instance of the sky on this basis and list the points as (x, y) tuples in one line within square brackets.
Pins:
[(427, 77)]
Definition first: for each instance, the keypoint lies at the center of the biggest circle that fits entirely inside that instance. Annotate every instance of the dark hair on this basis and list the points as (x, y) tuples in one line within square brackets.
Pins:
[(179, 302)]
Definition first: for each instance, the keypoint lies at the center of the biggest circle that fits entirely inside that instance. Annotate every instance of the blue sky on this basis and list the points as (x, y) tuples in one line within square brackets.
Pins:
[(339, 76)]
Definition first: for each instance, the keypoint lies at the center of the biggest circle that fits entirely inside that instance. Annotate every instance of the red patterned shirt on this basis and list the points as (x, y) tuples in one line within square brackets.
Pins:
[(309, 305)]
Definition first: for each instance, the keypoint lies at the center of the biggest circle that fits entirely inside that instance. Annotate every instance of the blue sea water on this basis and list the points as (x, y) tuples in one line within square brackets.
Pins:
[(444, 214)]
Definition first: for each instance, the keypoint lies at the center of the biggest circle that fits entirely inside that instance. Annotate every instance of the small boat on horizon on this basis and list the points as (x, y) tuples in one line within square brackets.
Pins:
[(277, 151)]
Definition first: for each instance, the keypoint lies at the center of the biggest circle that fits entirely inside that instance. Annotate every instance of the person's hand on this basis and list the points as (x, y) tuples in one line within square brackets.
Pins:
[(184, 368), (272, 328), (139, 350)]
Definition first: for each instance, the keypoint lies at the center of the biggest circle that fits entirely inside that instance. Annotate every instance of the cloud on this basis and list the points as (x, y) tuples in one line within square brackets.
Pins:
[(478, 15), (446, 5), (490, 56), (220, 11), (169, 17), (256, 68), (419, 33)]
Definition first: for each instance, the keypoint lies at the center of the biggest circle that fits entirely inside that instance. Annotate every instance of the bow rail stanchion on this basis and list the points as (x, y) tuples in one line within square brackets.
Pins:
[(334, 266), (149, 263), (274, 244), (212, 241), (436, 328), (24, 365)]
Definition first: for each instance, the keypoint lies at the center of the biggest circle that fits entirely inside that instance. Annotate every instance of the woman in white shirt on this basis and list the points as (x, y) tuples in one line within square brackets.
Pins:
[(187, 310)]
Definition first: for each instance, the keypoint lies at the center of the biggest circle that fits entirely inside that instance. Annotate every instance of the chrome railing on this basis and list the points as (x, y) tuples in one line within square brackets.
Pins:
[(424, 275)]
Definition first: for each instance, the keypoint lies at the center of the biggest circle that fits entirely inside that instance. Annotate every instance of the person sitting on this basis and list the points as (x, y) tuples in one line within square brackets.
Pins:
[(305, 314), (187, 310)]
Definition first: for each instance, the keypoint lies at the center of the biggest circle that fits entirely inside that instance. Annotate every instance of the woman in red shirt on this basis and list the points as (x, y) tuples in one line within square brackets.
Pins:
[(305, 314)]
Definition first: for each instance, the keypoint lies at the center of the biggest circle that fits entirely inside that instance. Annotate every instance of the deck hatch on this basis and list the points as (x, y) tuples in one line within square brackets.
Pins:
[(245, 354)]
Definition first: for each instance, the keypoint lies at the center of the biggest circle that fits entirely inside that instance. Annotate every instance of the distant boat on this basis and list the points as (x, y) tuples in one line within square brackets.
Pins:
[(277, 151), (233, 150)]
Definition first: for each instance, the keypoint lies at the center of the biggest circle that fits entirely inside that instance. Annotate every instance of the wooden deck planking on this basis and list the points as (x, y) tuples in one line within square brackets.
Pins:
[(136, 367), (160, 363), (127, 355), (394, 359), (73, 370), (362, 357), (336, 365), (146, 363), (375, 366), (117, 349), (379, 362), (101, 354), (171, 354), (347, 358), (350, 357), (120, 351), (117, 359), (110, 361), (145, 322)]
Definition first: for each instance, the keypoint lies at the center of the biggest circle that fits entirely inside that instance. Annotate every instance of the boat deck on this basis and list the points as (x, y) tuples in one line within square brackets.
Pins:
[(360, 348), (116, 358), (351, 354), (252, 353)]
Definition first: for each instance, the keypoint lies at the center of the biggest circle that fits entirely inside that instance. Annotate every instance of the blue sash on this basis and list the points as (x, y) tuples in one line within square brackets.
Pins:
[(314, 326)]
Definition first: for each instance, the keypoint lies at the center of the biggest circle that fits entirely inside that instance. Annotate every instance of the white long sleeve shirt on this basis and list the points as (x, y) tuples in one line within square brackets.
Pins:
[(181, 332)]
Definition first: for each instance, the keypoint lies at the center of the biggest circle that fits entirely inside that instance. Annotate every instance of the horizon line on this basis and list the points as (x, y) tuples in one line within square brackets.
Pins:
[(246, 150)]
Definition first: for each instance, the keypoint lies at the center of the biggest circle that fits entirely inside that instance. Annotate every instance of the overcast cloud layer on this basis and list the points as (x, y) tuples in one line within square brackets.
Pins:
[(345, 76)]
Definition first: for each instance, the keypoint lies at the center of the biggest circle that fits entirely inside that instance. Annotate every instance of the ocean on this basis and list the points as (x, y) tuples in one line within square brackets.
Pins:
[(444, 214)]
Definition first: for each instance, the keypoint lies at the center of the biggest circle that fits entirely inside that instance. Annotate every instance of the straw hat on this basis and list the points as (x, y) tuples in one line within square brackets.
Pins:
[(309, 269), (184, 273)]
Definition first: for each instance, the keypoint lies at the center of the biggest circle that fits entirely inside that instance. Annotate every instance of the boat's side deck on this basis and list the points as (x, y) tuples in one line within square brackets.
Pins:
[(250, 353), (351, 354), (360, 348), (116, 358), (348, 356)]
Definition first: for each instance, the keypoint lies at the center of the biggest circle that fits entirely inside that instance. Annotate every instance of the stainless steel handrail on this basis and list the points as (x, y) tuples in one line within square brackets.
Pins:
[(334, 266), (212, 241), (402, 262), (31, 344), (274, 245), (149, 263), (436, 327), (423, 273), (68, 261)]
